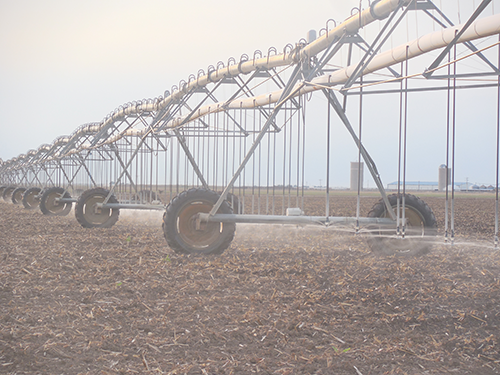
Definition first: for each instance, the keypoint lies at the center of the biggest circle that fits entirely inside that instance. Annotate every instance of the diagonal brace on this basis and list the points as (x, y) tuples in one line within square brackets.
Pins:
[(448, 48), (285, 95), (332, 99)]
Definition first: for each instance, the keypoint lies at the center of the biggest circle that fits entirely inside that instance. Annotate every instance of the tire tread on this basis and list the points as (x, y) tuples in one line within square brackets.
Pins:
[(169, 223)]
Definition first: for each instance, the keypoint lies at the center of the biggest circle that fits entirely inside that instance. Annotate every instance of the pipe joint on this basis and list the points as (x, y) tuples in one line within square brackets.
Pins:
[(375, 15)]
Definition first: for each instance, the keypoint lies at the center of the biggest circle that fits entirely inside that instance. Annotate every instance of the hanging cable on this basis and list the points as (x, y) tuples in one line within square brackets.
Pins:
[(275, 162), (268, 169), (303, 113), (328, 162), (254, 132), (290, 147), (216, 151), (241, 160), (226, 149), (358, 199), (447, 176), (152, 187), (453, 136), (400, 150), (209, 132), (283, 211), (233, 153), (259, 167), (498, 156), (298, 158), (405, 128)]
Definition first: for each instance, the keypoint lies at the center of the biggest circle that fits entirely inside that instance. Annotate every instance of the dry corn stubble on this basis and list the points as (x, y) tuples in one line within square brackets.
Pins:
[(280, 300)]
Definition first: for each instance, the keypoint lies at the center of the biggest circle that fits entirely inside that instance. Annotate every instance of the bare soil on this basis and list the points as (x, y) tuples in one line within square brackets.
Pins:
[(280, 300)]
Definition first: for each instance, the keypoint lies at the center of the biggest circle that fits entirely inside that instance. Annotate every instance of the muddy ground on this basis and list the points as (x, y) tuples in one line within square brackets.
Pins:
[(280, 300)]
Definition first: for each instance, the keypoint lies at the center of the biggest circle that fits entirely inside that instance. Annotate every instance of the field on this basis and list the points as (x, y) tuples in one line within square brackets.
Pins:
[(280, 300)]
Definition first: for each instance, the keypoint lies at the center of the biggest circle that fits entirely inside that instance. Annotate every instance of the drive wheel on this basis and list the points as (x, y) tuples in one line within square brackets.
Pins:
[(7, 193), (17, 195), (234, 203), (179, 224), (49, 205), (420, 229), (91, 216), (31, 198)]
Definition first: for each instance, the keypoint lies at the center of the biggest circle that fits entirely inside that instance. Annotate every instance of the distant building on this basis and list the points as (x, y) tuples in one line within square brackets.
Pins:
[(482, 188), (414, 185), (444, 177), (434, 186), (357, 175)]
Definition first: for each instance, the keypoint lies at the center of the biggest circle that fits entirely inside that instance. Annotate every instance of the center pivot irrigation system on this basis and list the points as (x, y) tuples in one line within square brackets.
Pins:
[(234, 143)]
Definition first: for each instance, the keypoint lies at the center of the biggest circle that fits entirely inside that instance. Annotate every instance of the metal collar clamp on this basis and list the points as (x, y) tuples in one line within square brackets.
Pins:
[(375, 15)]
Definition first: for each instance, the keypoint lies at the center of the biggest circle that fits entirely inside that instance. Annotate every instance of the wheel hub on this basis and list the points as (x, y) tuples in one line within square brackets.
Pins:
[(194, 231)]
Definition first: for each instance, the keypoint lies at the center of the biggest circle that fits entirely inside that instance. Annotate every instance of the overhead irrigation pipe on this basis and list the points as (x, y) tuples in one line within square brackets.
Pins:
[(479, 29), (378, 10)]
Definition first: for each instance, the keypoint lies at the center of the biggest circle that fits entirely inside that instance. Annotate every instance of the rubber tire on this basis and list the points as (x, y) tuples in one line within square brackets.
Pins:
[(2, 188), (234, 203), (49, 207), (7, 193), (107, 218), (29, 200), (17, 195), (386, 244), (177, 233)]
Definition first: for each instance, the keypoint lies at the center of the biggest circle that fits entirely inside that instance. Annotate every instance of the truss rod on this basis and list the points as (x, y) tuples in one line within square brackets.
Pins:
[(405, 138), (193, 111), (35, 175), (125, 168), (469, 45), (363, 43), (360, 133), (82, 164), (366, 157), (287, 93), (377, 10), (484, 27), (249, 93), (453, 149), (374, 48), (443, 54), (400, 135), (498, 157), (191, 158), (423, 89)]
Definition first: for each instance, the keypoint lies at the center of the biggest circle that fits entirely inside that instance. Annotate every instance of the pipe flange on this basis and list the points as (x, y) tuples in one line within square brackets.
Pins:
[(375, 15)]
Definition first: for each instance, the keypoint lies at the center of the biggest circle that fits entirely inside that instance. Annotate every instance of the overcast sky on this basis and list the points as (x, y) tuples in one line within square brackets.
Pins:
[(66, 63)]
